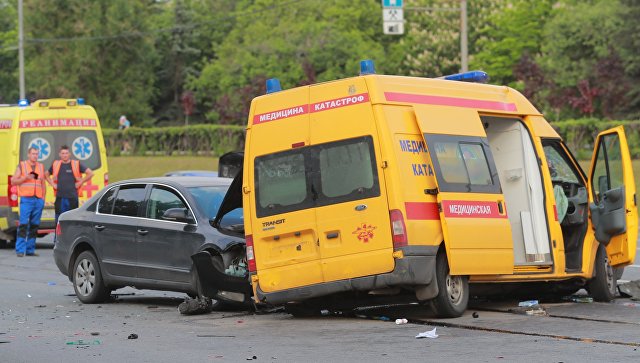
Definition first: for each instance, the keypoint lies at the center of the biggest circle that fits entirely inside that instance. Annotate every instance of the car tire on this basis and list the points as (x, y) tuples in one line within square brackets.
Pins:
[(602, 287), (453, 291), (87, 279)]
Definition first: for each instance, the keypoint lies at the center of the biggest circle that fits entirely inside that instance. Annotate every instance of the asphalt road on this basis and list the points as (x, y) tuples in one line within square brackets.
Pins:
[(41, 320)]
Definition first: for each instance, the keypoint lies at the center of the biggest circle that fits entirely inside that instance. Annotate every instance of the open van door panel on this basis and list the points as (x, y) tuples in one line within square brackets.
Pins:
[(471, 204), (612, 187)]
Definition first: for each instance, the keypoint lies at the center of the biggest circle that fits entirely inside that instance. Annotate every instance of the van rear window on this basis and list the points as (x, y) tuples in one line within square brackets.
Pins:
[(318, 175), (83, 146)]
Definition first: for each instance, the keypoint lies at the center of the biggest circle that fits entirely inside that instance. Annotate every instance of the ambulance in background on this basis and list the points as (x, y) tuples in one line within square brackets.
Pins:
[(47, 124)]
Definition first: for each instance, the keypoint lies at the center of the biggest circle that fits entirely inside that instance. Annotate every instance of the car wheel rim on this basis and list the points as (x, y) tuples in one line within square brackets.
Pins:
[(611, 284), (85, 278), (454, 288)]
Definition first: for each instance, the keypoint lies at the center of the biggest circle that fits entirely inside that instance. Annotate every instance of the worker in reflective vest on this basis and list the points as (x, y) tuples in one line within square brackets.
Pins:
[(67, 180), (29, 177)]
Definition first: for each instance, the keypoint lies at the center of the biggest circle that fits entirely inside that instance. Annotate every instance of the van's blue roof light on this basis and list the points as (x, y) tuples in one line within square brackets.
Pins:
[(366, 67), (23, 102), (471, 76), (273, 85), (80, 101)]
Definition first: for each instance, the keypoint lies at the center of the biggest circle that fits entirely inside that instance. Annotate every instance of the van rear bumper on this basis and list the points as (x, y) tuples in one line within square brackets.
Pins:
[(7, 232), (416, 269)]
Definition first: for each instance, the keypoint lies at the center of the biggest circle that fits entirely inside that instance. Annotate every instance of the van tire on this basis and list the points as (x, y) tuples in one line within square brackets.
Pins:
[(453, 291), (602, 287)]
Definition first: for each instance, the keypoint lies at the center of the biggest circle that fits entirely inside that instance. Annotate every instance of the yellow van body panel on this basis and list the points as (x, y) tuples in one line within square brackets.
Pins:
[(50, 123)]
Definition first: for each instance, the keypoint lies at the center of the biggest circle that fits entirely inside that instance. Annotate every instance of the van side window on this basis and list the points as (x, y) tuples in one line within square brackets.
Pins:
[(559, 167), (463, 164), (607, 171), (324, 174)]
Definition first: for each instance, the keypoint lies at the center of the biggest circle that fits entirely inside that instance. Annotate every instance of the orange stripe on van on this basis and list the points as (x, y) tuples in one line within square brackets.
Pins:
[(422, 211), (449, 101)]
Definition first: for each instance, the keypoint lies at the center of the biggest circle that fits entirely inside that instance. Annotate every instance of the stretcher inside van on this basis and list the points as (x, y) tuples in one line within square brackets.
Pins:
[(413, 189)]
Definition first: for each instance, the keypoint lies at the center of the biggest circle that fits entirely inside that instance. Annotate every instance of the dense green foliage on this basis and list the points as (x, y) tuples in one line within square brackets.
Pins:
[(149, 59)]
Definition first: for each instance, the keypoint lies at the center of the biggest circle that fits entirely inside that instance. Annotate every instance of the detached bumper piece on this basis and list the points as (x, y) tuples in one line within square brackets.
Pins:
[(218, 285)]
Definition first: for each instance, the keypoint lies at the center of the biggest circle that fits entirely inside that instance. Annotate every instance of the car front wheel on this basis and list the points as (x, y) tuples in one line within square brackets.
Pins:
[(87, 279)]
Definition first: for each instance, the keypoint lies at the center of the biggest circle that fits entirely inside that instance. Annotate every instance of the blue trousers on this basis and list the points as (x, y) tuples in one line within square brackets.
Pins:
[(62, 205), (30, 213)]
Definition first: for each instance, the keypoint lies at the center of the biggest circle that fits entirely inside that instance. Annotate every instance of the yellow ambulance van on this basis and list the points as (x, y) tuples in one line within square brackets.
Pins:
[(47, 124), (413, 187)]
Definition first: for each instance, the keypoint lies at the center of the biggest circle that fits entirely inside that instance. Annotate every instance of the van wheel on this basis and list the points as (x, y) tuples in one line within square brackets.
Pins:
[(87, 279), (603, 285), (453, 291)]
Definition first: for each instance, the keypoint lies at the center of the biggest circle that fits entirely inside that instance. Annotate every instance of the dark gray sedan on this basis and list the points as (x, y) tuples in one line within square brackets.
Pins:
[(143, 232)]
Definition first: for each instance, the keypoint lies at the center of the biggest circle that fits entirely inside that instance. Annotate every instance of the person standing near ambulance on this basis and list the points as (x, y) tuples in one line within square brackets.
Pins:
[(67, 180), (29, 177)]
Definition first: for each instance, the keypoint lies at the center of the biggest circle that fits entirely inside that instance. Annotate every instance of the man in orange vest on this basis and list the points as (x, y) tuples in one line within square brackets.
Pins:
[(67, 180), (29, 177)]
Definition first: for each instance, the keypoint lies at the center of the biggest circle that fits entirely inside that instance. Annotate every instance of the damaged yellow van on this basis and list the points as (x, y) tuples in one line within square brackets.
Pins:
[(47, 124), (415, 188)]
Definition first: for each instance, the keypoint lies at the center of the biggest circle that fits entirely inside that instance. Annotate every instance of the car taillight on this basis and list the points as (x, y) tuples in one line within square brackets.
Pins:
[(12, 193), (58, 229), (398, 229), (106, 179), (251, 259)]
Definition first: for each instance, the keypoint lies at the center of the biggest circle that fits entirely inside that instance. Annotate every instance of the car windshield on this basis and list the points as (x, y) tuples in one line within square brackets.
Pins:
[(210, 198)]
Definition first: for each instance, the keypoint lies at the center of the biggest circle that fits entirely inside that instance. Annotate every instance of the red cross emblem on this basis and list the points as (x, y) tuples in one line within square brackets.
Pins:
[(89, 188), (364, 232)]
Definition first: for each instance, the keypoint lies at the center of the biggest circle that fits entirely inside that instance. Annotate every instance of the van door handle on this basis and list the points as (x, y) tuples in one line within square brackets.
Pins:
[(99, 227), (332, 235), (142, 232), (500, 209), (361, 207)]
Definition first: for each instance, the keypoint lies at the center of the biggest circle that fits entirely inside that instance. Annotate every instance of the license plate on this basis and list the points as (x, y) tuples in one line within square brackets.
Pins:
[(48, 214)]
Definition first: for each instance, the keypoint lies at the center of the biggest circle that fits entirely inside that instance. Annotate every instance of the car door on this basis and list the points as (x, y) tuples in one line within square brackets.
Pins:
[(613, 207), (115, 225), (472, 207), (165, 246)]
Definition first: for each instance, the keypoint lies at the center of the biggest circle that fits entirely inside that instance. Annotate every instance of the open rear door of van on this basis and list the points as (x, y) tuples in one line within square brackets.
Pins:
[(614, 212), (471, 204)]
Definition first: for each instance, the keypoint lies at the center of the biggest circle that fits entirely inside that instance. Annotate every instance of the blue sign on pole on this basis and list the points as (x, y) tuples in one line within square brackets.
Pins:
[(392, 3)]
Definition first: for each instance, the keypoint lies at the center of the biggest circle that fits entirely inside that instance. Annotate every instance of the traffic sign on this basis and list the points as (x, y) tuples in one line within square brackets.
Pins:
[(392, 14), (392, 3), (393, 27)]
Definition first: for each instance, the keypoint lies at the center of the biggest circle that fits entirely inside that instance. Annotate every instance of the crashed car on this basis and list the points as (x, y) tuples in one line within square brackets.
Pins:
[(143, 232)]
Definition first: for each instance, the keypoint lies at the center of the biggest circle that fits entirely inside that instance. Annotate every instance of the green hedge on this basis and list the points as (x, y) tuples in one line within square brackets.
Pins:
[(579, 134), (184, 140)]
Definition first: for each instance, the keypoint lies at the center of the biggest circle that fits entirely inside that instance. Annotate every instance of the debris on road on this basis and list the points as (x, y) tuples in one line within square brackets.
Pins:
[(401, 321), (630, 289), (84, 342), (431, 334), (475, 315), (200, 305), (528, 303), (133, 336)]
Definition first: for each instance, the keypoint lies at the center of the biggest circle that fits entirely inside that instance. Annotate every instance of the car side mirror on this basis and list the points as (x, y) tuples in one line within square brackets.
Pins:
[(178, 215)]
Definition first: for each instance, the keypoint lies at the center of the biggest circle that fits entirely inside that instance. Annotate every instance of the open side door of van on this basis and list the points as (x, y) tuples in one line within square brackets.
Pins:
[(472, 207), (614, 212)]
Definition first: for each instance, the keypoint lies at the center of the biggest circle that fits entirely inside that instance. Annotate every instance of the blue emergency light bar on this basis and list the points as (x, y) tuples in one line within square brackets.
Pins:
[(367, 67), (273, 85), (23, 102), (471, 76), (80, 101)]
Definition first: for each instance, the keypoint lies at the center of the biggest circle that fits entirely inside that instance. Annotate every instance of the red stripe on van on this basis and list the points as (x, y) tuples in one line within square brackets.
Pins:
[(4, 201), (5, 124), (449, 101), (69, 122), (280, 114), (471, 209), (339, 102), (422, 211)]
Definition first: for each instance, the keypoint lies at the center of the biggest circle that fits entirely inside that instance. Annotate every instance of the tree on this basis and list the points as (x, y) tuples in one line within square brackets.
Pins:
[(106, 55), (299, 42), (9, 88)]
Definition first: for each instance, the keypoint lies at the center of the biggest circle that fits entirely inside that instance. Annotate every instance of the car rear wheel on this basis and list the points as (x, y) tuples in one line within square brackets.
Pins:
[(453, 291), (87, 279), (603, 285)]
